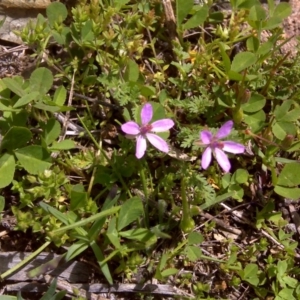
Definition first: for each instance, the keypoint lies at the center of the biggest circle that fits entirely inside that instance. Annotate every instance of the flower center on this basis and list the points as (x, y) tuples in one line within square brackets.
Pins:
[(217, 144), (146, 128)]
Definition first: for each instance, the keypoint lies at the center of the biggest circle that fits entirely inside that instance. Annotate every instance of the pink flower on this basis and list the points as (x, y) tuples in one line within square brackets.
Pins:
[(217, 147), (145, 131)]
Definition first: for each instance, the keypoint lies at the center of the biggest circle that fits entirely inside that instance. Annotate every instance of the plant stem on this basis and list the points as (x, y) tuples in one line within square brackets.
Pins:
[(187, 224), (24, 261), (144, 182)]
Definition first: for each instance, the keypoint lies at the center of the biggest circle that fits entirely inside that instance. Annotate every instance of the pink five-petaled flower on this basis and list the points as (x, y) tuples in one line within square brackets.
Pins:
[(217, 147), (145, 131)]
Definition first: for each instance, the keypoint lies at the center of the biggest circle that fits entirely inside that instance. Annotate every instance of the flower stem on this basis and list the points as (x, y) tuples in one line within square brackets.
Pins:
[(187, 223), (144, 183)]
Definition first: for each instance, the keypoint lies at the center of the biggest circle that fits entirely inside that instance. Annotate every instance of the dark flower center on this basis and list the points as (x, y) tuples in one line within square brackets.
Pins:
[(217, 144), (146, 128)]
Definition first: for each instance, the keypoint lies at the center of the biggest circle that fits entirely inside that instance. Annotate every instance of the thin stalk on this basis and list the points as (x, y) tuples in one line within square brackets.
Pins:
[(187, 224), (144, 182), (24, 261)]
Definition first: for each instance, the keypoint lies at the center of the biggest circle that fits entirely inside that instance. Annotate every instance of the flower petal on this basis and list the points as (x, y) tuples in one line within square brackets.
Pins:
[(162, 125), (224, 130), (158, 142), (146, 113), (141, 146), (205, 137), (206, 158), (131, 128), (233, 147), (222, 160)]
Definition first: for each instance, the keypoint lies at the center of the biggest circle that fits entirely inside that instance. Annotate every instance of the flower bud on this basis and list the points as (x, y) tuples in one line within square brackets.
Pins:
[(246, 96), (238, 116), (287, 142)]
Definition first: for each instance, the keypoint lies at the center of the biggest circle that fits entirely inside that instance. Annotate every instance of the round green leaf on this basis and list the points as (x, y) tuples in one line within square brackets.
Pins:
[(56, 12), (256, 103), (41, 80), (257, 13), (34, 159), (290, 175), (255, 120), (281, 129), (242, 61), (240, 176), (291, 193), (15, 138)]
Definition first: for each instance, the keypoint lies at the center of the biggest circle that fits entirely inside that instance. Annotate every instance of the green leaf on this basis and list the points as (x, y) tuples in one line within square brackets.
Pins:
[(198, 18), (195, 238), (183, 8), (139, 234), (63, 145), (225, 57), (281, 111), (255, 103), (52, 108), (7, 169), (60, 94), (255, 120), (193, 253), (252, 44), (56, 12), (217, 200), (250, 274), (15, 86), (291, 193), (290, 175), (281, 129), (112, 233), (169, 272), (132, 71), (237, 190), (240, 176), (34, 159), (41, 80), (129, 212), (291, 116), (87, 34), (100, 257), (246, 3), (15, 138), (291, 282), (51, 130), (242, 61), (271, 23), (75, 249), (232, 75), (78, 197), (90, 219), (282, 10), (26, 99), (257, 13), (120, 3), (281, 267)]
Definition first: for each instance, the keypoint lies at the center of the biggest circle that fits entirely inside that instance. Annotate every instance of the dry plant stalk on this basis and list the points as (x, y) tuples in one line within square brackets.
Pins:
[(37, 4)]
